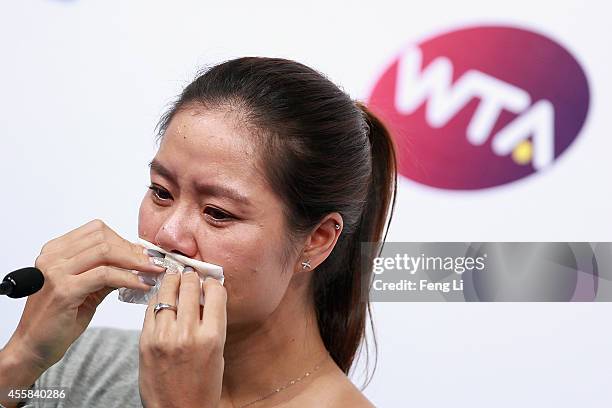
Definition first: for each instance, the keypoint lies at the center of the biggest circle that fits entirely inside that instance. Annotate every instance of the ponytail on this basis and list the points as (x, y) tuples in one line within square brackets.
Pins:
[(342, 303), (383, 185)]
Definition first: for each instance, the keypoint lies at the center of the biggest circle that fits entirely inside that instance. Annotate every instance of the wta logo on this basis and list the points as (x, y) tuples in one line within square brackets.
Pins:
[(481, 107)]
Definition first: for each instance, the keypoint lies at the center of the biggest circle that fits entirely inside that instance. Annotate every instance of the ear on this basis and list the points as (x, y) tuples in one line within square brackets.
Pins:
[(321, 241)]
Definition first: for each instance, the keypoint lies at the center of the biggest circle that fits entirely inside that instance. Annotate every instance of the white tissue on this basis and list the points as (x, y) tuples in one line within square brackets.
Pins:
[(176, 262)]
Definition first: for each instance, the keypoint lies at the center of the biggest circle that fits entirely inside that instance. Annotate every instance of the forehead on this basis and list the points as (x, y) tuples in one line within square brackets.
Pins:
[(212, 146), (211, 133)]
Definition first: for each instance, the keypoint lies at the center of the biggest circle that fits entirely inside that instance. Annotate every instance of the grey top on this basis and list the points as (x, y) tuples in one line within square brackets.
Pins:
[(100, 369)]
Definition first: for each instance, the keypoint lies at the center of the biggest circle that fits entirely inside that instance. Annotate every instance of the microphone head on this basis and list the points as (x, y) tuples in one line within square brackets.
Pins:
[(26, 281)]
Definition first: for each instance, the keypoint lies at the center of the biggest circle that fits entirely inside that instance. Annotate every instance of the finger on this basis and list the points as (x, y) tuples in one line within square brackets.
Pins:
[(167, 293), (99, 236), (88, 305), (148, 325), (96, 237), (215, 302), (94, 299), (103, 277), (109, 254), (188, 313), (72, 236)]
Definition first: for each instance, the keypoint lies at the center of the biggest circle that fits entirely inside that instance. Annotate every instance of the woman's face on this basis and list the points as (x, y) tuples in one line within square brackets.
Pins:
[(210, 202)]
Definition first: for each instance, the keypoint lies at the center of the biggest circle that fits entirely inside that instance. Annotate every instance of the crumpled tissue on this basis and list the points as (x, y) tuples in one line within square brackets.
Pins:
[(176, 262)]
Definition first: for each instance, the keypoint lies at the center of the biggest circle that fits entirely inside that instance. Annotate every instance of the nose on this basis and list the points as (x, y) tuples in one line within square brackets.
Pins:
[(176, 233)]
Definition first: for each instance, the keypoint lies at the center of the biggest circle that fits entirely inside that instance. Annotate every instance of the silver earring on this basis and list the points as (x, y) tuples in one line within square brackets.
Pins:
[(337, 226), (306, 264)]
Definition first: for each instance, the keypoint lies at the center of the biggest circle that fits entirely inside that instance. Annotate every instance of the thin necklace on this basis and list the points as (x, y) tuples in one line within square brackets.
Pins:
[(288, 384)]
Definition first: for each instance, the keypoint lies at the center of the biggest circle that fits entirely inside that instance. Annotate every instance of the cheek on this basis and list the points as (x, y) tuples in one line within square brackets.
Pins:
[(254, 277), (148, 222)]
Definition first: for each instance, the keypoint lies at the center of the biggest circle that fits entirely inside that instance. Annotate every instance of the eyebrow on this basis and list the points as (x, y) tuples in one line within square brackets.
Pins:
[(201, 188)]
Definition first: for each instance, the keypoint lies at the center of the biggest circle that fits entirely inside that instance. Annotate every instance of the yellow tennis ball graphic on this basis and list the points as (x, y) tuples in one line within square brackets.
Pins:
[(523, 152)]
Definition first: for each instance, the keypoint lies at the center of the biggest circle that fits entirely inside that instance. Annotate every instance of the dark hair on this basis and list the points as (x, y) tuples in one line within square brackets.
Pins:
[(321, 152)]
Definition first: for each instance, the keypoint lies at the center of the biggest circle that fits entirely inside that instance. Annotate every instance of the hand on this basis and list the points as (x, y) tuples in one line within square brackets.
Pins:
[(80, 268), (181, 353)]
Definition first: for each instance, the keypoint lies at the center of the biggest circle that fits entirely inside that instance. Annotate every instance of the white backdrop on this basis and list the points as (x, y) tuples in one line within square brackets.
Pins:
[(83, 83)]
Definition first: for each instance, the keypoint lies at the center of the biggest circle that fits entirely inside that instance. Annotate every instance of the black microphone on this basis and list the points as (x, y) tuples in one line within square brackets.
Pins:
[(22, 282)]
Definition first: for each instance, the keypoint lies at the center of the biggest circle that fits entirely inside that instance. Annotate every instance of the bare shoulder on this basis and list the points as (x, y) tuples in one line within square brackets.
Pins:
[(334, 390), (350, 396)]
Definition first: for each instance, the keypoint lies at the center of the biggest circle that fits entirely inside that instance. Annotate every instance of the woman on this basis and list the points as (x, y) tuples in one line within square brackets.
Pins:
[(266, 168)]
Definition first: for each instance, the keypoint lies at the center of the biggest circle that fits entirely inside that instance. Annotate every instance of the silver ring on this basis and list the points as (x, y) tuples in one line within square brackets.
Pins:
[(162, 306)]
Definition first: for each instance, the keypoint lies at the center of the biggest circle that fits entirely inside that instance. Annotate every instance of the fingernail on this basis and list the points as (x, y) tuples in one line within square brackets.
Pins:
[(155, 254), (146, 280), (188, 269)]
